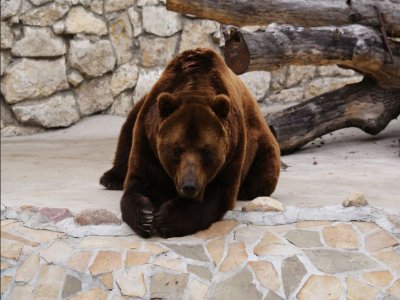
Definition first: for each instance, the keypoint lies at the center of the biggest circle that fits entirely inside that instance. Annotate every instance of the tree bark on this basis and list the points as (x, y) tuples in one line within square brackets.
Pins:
[(354, 46), (364, 105), (306, 13)]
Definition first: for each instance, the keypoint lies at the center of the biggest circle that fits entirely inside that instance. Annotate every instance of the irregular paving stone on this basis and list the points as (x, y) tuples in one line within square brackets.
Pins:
[(266, 274), (122, 104), (136, 21), (125, 77), (365, 227), (197, 33), (272, 245), (39, 42), (21, 292), (9, 8), (114, 5), (278, 229), (272, 296), (263, 204), (94, 95), (131, 242), (4, 62), (389, 297), (7, 36), (341, 236), (201, 272), (146, 79), (331, 261), (72, 285), (310, 224), (79, 261), (132, 283), (135, 258), (5, 281), (360, 290), (321, 287), (57, 253), (258, 84), (27, 270), (83, 53), (195, 252), (45, 15), (93, 294), (239, 287), (379, 240), (121, 36), (38, 235), (394, 290), (293, 272), (108, 280), (304, 238), (80, 20), (4, 264), (247, 235), (168, 286), (11, 249), (159, 21), (378, 278), (390, 258), (197, 290), (55, 214), (236, 257), (106, 261), (45, 78), (10, 236), (74, 77), (216, 249), (355, 199), (174, 264), (96, 216), (221, 228), (51, 280), (156, 50), (59, 110)]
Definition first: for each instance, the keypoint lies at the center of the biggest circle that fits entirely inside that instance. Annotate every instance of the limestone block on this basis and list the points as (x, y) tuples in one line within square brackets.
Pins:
[(145, 81), (28, 78), (122, 104), (197, 33), (257, 82), (121, 36), (59, 110), (159, 21), (156, 51), (39, 42), (125, 77), (80, 20), (136, 21), (9, 8), (114, 5), (83, 54), (7, 36), (45, 15)]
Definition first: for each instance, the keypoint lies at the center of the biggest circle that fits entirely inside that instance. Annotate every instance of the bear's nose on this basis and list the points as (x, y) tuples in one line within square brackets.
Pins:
[(189, 189)]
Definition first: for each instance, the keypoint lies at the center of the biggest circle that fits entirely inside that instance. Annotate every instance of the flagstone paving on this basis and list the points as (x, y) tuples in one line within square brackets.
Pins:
[(231, 260)]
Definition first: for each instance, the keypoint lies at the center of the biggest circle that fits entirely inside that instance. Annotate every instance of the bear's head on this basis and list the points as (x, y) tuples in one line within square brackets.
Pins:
[(192, 140)]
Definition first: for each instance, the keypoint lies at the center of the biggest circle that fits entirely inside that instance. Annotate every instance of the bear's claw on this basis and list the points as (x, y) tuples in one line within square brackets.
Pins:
[(111, 180)]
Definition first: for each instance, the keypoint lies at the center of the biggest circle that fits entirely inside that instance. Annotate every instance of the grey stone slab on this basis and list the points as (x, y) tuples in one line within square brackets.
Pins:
[(237, 287), (331, 261), (304, 238), (72, 286), (195, 252), (293, 272), (168, 286), (201, 272), (272, 296)]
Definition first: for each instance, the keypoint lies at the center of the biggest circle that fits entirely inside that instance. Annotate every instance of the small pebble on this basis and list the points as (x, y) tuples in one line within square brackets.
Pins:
[(355, 199)]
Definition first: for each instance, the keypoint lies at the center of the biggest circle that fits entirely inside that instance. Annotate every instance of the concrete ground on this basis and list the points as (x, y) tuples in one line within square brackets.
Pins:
[(61, 168)]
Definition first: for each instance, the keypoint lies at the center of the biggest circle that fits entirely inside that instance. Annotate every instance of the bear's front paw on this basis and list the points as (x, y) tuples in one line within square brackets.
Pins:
[(111, 180), (166, 221), (139, 215)]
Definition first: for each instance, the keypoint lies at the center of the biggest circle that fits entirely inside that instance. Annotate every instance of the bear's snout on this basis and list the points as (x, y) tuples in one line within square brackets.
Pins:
[(190, 189)]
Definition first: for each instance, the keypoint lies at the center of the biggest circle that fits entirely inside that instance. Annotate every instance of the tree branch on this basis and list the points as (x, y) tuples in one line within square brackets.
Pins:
[(354, 46), (306, 13), (364, 105)]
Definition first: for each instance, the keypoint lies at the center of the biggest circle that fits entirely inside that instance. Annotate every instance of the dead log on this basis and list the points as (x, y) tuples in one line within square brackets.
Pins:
[(364, 105), (305, 13), (353, 46)]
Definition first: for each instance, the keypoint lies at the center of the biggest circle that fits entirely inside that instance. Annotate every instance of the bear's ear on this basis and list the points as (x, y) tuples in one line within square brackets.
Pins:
[(221, 106), (167, 104)]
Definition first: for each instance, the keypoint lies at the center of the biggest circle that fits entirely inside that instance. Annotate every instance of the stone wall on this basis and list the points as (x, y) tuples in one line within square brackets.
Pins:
[(62, 60)]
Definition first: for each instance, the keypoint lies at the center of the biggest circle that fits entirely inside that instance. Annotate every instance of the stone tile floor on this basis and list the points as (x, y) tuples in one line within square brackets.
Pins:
[(231, 260)]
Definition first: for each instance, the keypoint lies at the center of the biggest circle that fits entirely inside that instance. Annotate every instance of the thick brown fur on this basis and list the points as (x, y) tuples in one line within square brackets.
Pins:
[(190, 148)]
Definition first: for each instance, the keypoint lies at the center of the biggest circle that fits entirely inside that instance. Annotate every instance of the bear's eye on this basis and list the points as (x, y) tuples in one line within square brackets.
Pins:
[(205, 152), (177, 151)]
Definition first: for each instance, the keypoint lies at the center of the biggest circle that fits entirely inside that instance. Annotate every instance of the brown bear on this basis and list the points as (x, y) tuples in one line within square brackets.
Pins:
[(194, 144)]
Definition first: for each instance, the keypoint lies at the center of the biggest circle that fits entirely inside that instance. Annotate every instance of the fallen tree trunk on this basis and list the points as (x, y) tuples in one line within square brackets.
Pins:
[(364, 105), (307, 13), (354, 46)]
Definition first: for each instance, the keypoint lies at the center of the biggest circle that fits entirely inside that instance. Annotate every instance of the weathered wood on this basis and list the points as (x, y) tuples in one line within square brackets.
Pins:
[(364, 105), (306, 13), (354, 46)]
